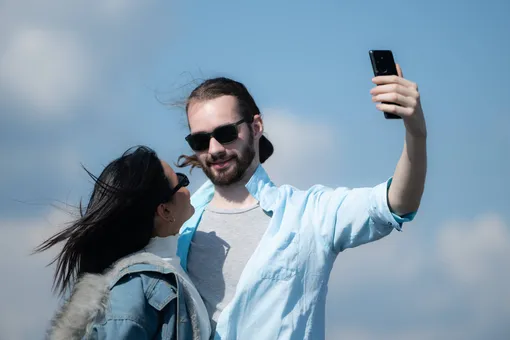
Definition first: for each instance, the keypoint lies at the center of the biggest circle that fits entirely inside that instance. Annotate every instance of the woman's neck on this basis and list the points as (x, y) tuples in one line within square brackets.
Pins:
[(164, 247)]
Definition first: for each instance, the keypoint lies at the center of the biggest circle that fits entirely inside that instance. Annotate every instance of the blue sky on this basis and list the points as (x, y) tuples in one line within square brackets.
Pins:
[(81, 83)]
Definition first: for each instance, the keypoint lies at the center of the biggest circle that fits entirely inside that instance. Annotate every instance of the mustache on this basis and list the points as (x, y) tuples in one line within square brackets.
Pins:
[(219, 157)]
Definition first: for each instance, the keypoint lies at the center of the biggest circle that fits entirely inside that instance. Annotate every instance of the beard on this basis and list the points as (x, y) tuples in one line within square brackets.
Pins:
[(235, 171)]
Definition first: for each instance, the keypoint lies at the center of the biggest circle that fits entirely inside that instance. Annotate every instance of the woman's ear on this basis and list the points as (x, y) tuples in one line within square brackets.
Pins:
[(164, 212), (257, 126)]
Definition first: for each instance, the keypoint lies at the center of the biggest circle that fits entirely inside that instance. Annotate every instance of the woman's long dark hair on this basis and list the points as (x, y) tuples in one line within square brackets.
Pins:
[(118, 220)]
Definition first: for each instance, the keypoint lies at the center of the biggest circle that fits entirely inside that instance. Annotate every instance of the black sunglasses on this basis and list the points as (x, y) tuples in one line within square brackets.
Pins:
[(224, 134), (182, 181)]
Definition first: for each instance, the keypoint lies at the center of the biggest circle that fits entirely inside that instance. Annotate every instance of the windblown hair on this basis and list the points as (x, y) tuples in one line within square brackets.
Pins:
[(217, 87), (118, 220)]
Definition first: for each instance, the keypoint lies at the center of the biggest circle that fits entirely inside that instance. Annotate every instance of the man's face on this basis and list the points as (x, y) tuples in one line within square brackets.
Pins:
[(223, 164)]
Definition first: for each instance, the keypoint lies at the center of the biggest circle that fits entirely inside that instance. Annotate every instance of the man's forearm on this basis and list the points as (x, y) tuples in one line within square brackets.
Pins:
[(406, 190)]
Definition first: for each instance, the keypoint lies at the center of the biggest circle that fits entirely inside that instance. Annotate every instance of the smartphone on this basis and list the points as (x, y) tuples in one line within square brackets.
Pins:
[(383, 64)]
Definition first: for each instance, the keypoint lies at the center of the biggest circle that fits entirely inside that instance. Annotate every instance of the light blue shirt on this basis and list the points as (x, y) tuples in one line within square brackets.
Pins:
[(281, 293)]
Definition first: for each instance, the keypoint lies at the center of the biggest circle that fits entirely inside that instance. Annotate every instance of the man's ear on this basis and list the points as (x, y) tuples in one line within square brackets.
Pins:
[(257, 126)]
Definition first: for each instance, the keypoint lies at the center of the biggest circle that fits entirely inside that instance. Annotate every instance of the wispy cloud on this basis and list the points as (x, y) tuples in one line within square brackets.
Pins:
[(27, 302), (303, 146), (56, 55), (407, 286), (46, 70), (423, 285), (58, 61)]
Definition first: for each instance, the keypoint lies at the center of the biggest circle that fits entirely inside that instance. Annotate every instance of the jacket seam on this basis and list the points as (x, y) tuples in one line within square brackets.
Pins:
[(138, 321)]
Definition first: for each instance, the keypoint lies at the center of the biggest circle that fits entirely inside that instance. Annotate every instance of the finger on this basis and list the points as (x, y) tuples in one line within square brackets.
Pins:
[(399, 71), (388, 88), (396, 98), (381, 80), (395, 109)]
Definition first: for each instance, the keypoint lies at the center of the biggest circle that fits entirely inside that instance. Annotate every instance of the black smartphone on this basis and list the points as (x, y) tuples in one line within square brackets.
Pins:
[(383, 64)]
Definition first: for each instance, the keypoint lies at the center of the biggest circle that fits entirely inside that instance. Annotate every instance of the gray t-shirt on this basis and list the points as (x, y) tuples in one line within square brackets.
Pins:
[(221, 247)]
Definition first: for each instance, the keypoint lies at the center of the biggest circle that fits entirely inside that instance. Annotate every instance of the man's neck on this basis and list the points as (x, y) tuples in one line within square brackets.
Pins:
[(234, 196)]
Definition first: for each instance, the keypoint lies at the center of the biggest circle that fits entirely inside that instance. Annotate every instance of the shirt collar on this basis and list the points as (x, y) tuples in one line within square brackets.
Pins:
[(259, 186)]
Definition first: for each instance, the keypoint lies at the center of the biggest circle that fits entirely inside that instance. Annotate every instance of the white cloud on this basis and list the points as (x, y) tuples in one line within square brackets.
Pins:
[(46, 69), (474, 252), (447, 282), (55, 54), (296, 135), (358, 334), (60, 62), (27, 303), (476, 256), (301, 146)]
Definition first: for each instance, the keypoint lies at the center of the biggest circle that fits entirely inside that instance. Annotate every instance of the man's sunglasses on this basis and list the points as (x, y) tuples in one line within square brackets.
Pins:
[(182, 181), (224, 134)]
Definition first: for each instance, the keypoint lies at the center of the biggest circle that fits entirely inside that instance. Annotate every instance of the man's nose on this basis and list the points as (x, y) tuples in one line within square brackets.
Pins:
[(215, 146)]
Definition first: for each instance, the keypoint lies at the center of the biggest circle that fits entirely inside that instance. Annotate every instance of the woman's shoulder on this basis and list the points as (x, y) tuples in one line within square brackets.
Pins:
[(148, 280), (144, 289)]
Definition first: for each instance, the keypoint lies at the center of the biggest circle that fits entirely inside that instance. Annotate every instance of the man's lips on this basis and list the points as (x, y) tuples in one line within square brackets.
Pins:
[(220, 164)]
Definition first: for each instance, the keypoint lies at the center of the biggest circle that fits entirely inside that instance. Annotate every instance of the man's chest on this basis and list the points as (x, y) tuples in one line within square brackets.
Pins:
[(223, 244)]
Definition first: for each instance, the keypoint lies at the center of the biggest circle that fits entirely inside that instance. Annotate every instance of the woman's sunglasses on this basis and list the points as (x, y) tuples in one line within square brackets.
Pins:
[(182, 181), (224, 134)]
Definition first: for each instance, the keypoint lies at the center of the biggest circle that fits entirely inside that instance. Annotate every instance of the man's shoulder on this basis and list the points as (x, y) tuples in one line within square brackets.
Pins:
[(316, 189)]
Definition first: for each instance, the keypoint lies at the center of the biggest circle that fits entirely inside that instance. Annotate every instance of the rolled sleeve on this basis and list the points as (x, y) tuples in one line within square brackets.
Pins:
[(380, 211)]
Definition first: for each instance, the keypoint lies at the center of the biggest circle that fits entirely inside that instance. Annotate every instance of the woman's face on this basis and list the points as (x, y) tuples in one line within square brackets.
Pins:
[(171, 216)]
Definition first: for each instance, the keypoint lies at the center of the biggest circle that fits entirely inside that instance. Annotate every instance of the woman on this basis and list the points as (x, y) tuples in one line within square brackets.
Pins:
[(119, 258)]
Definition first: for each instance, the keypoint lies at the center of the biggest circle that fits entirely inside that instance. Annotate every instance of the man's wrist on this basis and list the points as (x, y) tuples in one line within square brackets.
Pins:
[(417, 130), (416, 142)]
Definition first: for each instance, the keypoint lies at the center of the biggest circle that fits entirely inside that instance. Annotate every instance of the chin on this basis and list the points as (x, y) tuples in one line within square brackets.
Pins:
[(191, 211), (227, 177)]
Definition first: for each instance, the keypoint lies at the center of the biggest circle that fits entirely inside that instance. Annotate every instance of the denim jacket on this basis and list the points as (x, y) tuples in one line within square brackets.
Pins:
[(140, 297)]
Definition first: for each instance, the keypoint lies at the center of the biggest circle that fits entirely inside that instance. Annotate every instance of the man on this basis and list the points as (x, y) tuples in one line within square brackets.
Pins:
[(261, 255)]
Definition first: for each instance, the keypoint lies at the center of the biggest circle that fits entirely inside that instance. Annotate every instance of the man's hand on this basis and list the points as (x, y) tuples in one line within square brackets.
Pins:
[(396, 89)]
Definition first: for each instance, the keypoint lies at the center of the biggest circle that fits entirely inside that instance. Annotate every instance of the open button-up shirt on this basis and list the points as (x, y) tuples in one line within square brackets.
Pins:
[(281, 293)]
